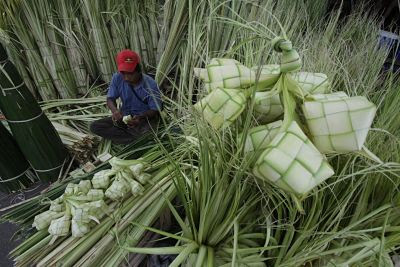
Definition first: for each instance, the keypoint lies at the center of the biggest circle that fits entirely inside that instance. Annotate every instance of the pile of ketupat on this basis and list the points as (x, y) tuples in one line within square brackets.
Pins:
[(286, 157)]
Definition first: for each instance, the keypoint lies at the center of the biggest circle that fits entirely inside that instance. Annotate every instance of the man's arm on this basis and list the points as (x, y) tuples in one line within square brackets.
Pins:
[(112, 105), (112, 95)]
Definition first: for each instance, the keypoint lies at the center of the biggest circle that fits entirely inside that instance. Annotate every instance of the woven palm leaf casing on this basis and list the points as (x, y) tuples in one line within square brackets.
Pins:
[(267, 108), (292, 162), (258, 138), (32, 130), (229, 73), (337, 122), (312, 83), (13, 165), (222, 106)]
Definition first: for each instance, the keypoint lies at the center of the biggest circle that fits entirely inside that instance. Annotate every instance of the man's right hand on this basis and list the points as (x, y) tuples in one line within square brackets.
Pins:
[(117, 116)]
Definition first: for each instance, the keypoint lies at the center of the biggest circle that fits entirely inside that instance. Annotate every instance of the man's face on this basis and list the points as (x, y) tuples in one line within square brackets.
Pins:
[(128, 76)]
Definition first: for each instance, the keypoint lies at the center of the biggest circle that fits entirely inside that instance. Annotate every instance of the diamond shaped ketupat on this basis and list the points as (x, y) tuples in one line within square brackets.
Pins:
[(337, 122), (222, 106), (292, 162)]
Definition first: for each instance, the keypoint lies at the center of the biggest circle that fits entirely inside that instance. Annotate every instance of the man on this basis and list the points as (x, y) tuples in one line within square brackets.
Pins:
[(140, 97)]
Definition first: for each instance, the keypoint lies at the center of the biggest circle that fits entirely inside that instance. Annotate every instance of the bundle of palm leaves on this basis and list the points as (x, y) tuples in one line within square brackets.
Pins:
[(13, 165), (36, 137)]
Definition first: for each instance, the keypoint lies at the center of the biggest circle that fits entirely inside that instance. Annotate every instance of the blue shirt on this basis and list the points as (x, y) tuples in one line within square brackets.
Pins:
[(147, 90)]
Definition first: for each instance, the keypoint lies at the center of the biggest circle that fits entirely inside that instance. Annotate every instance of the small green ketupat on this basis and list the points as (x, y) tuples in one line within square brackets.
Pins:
[(60, 226), (337, 122), (292, 162), (43, 220), (101, 179), (73, 211), (222, 106), (125, 171)]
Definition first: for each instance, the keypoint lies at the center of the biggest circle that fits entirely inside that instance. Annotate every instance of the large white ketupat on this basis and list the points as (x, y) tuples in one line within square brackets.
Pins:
[(337, 122), (230, 73), (292, 162), (258, 138), (222, 106)]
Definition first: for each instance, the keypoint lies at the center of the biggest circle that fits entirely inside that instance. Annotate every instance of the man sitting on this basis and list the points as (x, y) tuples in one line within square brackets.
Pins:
[(140, 97)]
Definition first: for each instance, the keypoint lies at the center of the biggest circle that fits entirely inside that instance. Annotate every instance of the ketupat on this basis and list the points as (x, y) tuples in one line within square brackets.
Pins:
[(126, 171), (222, 106), (337, 122), (292, 162), (312, 83), (229, 73), (101, 179), (258, 138), (267, 108)]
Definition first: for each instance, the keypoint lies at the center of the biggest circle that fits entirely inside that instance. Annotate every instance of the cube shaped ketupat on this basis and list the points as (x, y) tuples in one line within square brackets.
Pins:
[(337, 122), (292, 162)]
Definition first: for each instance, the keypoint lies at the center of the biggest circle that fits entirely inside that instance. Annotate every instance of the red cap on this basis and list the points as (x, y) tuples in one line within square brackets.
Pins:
[(127, 60)]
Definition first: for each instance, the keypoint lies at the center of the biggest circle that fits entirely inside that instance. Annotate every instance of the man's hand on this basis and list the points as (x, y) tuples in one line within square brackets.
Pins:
[(117, 115), (135, 121)]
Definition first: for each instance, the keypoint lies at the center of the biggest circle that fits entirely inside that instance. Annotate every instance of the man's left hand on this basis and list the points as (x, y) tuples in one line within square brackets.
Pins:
[(134, 122)]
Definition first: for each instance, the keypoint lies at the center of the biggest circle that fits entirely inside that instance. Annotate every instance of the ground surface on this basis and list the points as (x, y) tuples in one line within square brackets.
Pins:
[(7, 230)]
